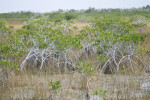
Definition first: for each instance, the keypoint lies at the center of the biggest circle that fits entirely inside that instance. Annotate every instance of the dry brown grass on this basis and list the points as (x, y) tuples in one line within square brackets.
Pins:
[(118, 86), (17, 26), (17, 23), (80, 25), (145, 31)]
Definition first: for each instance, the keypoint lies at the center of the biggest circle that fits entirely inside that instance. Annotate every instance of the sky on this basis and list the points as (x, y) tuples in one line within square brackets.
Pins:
[(53, 5)]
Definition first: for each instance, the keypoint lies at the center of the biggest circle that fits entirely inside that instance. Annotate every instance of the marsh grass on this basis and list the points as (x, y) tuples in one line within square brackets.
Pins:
[(119, 86)]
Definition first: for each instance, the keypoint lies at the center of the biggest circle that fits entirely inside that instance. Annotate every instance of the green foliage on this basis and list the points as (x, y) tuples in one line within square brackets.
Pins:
[(55, 86), (108, 32), (2, 23), (85, 68), (6, 52), (101, 58), (41, 31), (124, 68), (110, 37), (56, 16), (90, 12), (10, 64), (139, 25), (3, 29), (70, 16), (11, 27), (7, 49), (113, 25), (100, 92), (14, 15), (147, 52), (75, 27)]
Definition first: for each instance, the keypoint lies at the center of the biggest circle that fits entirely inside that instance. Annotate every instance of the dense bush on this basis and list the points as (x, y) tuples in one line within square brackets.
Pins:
[(70, 16)]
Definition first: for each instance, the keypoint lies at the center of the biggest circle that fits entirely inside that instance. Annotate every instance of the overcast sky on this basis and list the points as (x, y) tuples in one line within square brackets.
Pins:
[(52, 5)]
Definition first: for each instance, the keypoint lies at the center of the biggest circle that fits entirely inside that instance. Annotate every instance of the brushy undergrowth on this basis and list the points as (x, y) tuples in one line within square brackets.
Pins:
[(109, 45)]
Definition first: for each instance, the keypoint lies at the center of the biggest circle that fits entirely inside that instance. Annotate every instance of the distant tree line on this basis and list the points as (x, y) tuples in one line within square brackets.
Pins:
[(72, 13)]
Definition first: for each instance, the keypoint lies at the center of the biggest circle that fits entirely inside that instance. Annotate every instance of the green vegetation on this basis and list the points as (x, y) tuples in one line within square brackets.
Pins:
[(100, 92), (54, 87), (46, 44)]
